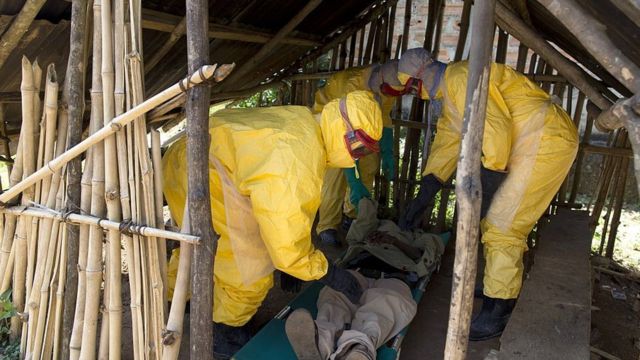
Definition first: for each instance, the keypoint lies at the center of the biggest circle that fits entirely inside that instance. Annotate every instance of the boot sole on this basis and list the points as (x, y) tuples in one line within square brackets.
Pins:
[(301, 332)]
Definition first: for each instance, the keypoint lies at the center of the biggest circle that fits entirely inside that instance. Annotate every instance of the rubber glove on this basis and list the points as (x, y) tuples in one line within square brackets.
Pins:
[(342, 281), (429, 187), (357, 188), (386, 152), (491, 181), (289, 284)]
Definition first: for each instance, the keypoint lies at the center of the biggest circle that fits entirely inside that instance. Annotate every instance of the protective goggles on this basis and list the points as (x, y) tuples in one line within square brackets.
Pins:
[(358, 143), (412, 87)]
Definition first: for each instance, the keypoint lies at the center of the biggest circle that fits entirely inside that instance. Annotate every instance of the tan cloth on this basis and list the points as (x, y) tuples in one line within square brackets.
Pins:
[(386, 307)]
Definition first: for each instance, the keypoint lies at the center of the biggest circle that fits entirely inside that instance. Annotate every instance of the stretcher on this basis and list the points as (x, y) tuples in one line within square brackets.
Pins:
[(271, 341)]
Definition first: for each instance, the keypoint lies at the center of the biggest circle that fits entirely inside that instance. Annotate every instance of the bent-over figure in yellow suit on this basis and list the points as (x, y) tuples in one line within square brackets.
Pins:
[(528, 147), (266, 170)]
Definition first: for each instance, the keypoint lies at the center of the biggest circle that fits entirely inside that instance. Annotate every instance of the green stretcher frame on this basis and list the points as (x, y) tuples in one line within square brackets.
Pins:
[(271, 341)]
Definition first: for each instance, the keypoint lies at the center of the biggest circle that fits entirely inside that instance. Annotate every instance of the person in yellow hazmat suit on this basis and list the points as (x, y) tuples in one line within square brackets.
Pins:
[(344, 189), (528, 147), (266, 170)]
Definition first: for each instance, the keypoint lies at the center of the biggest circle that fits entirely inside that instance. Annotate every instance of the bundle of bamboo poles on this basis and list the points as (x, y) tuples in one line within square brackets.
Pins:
[(121, 208)]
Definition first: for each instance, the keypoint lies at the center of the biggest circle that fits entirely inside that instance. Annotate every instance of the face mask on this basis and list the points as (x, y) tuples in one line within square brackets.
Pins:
[(358, 143)]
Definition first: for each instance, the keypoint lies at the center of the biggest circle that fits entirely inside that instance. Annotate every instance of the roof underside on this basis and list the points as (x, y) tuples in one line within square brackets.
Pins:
[(48, 38)]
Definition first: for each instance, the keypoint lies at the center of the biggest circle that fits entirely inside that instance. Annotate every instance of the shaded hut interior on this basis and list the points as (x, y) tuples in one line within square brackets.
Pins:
[(282, 55)]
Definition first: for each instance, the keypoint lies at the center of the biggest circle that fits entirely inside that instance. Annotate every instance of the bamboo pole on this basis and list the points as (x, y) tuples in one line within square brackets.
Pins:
[(618, 202), (28, 157), (468, 186), (158, 186), (172, 336), (85, 207), (197, 110), (73, 99), (516, 27), (112, 186), (198, 77), (19, 26), (93, 272)]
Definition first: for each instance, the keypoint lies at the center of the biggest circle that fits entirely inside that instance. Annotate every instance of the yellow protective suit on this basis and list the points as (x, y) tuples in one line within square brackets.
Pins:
[(335, 191), (525, 135), (274, 158)]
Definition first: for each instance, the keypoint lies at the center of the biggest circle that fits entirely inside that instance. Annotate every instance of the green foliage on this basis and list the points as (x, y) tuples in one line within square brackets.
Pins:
[(268, 97), (9, 349)]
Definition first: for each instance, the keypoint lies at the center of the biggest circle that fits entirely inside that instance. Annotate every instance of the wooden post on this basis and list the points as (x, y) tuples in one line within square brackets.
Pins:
[(503, 44), (407, 25), (616, 205), (592, 35), (73, 98), (468, 187), (625, 113), (516, 27), (522, 57), (197, 110), (464, 30)]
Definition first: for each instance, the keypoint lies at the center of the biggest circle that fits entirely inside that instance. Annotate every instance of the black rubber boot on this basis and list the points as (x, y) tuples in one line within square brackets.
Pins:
[(329, 237), (343, 281), (228, 340), (492, 319)]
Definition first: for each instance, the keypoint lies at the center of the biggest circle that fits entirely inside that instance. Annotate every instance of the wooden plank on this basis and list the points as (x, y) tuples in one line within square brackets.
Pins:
[(552, 319)]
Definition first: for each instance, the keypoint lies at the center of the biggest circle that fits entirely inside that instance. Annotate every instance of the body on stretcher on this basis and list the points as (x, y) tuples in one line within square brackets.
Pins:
[(271, 341)]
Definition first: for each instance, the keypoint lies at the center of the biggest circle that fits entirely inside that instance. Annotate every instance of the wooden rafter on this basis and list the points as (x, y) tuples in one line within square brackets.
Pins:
[(510, 22), (159, 21), (18, 28), (592, 35), (268, 48)]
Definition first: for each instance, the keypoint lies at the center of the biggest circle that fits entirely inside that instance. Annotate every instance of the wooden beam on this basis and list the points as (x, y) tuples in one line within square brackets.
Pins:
[(468, 187), (159, 21), (268, 48), (516, 27), (631, 8), (349, 29), (175, 35), (73, 98), (198, 197), (592, 35), (19, 26)]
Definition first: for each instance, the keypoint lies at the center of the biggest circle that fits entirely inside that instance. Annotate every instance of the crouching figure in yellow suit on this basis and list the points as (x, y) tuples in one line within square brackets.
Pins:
[(528, 147), (343, 189), (266, 170)]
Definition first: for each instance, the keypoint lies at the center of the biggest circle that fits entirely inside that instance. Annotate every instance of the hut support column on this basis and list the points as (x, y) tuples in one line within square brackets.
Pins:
[(625, 113), (73, 98), (197, 110), (468, 187)]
